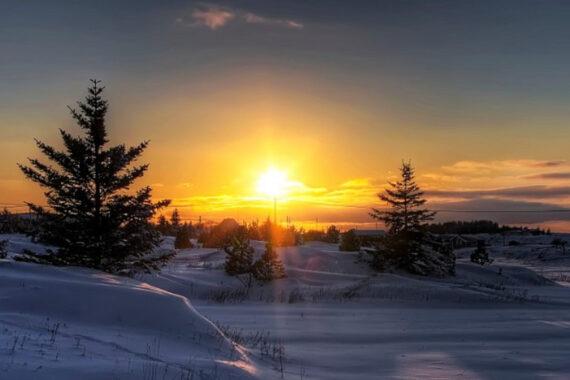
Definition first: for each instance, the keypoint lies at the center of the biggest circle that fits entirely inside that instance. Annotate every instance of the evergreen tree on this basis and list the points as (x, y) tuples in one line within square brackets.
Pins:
[(480, 255), (182, 240), (349, 241), (332, 235), (239, 259), (559, 243), (405, 219), (163, 226), (3, 249), (92, 217), (269, 266), (266, 230), (175, 221)]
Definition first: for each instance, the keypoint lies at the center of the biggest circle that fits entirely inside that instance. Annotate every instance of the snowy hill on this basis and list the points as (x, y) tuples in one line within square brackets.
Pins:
[(331, 318), (69, 323)]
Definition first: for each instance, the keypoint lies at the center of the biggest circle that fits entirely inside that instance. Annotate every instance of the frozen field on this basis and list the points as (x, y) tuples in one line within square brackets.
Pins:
[(330, 319)]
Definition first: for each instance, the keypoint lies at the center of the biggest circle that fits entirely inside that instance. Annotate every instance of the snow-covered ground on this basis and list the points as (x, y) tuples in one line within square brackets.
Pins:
[(331, 318)]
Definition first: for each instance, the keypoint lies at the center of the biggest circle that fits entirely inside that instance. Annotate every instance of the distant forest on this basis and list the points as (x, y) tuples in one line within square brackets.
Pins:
[(480, 227)]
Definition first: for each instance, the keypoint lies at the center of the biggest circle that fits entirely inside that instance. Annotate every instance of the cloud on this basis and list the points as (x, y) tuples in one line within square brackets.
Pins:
[(550, 164), (528, 192), (501, 210), (252, 18), (358, 183), (548, 176), (484, 168), (215, 17)]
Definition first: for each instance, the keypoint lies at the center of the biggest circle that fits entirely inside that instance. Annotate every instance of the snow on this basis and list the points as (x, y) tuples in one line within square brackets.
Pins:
[(331, 318)]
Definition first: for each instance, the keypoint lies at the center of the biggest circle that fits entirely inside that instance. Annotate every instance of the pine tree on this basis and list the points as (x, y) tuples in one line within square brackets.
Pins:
[(269, 266), (333, 234), (182, 240), (175, 221), (480, 255), (92, 217), (406, 220), (3, 249), (163, 226), (239, 259), (349, 241)]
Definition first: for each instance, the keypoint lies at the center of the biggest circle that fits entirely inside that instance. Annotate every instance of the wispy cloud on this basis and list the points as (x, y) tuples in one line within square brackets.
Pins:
[(523, 192), (550, 176), (484, 168), (215, 17), (252, 18), (502, 211)]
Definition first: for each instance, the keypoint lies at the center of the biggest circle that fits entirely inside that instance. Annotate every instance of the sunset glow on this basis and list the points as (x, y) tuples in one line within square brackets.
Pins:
[(231, 128), (273, 183)]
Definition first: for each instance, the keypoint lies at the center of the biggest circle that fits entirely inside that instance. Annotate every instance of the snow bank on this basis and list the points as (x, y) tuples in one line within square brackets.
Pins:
[(70, 323)]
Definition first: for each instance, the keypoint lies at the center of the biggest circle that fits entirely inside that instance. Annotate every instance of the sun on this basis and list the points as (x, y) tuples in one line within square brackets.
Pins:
[(273, 183)]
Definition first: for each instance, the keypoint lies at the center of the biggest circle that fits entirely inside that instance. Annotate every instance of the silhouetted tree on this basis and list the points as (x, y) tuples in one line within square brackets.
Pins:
[(480, 255), (182, 240), (3, 249), (559, 243), (239, 259), (175, 221), (163, 226), (349, 241), (405, 219), (93, 220), (332, 234), (403, 247), (11, 223), (269, 266)]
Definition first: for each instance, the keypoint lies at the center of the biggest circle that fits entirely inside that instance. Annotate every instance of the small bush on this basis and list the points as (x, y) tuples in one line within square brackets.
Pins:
[(559, 243), (349, 241), (480, 255), (182, 240), (269, 267), (332, 235), (3, 249), (239, 258)]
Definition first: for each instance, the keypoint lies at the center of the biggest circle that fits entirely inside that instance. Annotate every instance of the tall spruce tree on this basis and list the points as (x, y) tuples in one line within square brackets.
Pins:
[(92, 217), (175, 221), (405, 218)]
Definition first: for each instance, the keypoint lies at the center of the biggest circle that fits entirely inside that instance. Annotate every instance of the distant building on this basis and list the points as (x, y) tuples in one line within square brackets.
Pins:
[(456, 241)]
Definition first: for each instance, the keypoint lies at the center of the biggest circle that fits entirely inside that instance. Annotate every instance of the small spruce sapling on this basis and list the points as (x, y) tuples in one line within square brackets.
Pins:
[(269, 266), (332, 235), (480, 255), (559, 243), (349, 241), (182, 240), (239, 259), (3, 249)]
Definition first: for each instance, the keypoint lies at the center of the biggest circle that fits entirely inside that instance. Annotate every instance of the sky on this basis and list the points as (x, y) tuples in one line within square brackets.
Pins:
[(333, 93)]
